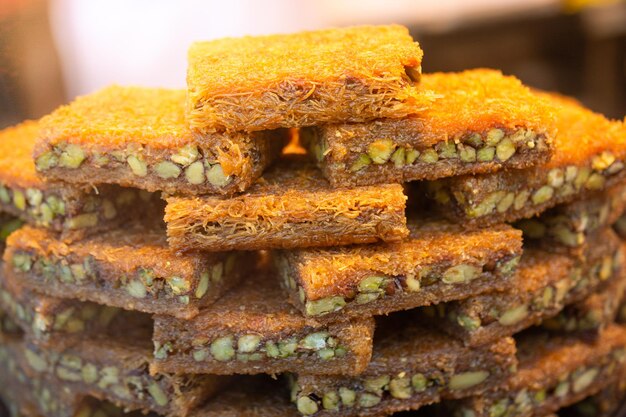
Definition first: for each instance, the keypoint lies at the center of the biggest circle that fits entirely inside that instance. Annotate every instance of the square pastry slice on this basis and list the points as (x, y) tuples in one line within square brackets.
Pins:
[(589, 153), (350, 74), (137, 137), (479, 121)]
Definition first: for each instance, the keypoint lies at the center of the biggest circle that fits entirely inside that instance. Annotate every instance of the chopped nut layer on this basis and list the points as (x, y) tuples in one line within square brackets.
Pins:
[(117, 371), (137, 137), (480, 121), (433, 367), (595, 312), (291, 206), (439, 261), (350, 74), (44, 318), (253, 329), (589, 156), (554, 372), (56, 206), (543, 284), (132, 269), (571, 225)]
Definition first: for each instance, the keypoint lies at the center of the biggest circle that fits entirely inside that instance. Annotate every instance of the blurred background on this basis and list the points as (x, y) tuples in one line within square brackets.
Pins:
[(53, 50)]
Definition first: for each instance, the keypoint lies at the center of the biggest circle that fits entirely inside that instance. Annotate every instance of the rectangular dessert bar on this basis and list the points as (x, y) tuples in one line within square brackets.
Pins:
[(593, 313), (137, 137), (132, 269), (350, 74), (439, 261), (291, 206), (116, 369), (43, 317), (253, 329), (553, 372), (56, 206), (571, 225), (589, 153), (481, 121), (543, 284), (411, 366)]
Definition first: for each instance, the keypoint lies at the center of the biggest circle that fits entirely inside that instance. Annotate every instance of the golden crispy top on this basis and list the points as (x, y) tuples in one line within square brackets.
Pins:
[(477, 100), (583, 133), (116, 116), (17, 168), (230, 65)]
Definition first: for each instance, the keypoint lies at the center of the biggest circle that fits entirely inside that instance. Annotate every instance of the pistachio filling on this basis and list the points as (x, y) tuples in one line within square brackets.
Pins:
[(569, 231), (545, 299), (522, 401), (559, 183), (74, 318), (187, 164), (253, 347), (377, 286), (140, 284), (495, 145), (367, 393), (48, 208), (125, 384)]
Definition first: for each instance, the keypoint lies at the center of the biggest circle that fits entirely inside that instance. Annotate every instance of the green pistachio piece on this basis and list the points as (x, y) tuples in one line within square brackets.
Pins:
[(89, 374), (324, 306), (186, 155), (19, 200), (505, 203), (595, 182), (584, 380), (376, 385), (494, 136), (556, 177), (371, 283), (72, 156), (22, 261), (46, 161), (520, 199), (315, 341), (203, 285), (360, 162), (82, 221), (348, 396), (326, 354), (271, 350), (461, 273), (365, 298), (178, 285), (475, 140), (505, 149), (56, 205), (602, 161), (68, 375), (248, 343), (486, 154), (136, 289), (222, 348), (4, 194), (398, 157), (367, 400), (78, 271), (467, 322), (380, 150), (306, 406), (216, 176), (157, 394), (167, 170), (582, 177), (467, 380), (543, 194), (137, 166), (195, 173), (429, 156), (287, 347), (412, 282), (400, 388), (36, 361), (447, 150), (200, 355), (467, 153), (561, 389), (330, 401), (514, 315), (411, 156), (34, 196)]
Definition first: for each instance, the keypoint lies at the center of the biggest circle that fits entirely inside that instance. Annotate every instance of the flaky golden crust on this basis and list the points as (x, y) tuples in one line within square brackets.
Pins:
[(137, 137), (439, 261), (264, 82), (291, 206), (543, 284), (132, 269), (257, 312), (477, 121), (589, 156), (400, 355), (555, 372)]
